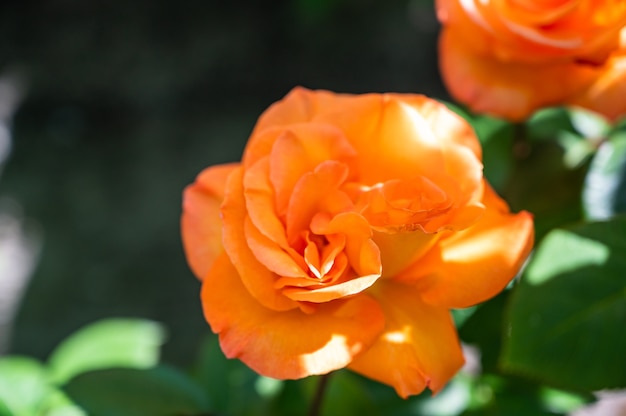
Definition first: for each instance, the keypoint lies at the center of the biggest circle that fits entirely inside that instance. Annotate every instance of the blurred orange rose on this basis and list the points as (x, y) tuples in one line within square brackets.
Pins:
[(351, 227), (509, 58)]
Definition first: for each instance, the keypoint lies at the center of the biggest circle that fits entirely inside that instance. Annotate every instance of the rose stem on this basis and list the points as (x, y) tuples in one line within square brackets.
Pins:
[(316, 404)]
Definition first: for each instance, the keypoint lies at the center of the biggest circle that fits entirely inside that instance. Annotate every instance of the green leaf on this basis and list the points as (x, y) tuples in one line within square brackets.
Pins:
[(499, 395), (345, 391), (604, 192), (23, 386), (232, 387), (548, 123), (484, 330), (130, 343), (133, 392), (58, 404), (568, 314)]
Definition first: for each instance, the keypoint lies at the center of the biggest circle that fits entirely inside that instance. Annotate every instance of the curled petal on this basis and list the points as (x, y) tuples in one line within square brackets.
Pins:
[(362, 252), (271, 255), (257, 278), (419, 347), (331, 292), (316, 191), (473, 265), (201, 225), (300, 149), (260, 202), (288, 344)]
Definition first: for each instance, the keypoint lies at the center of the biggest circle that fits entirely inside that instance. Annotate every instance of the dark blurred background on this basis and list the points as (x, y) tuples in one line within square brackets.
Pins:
[(123, 103)]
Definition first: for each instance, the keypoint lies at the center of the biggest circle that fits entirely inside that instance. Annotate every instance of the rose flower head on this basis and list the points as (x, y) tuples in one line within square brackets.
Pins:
[(351, 227), (509, 58)]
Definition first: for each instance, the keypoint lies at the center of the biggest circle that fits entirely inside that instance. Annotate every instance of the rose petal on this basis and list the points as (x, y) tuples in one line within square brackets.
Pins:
[(391, 137), (316, 191), (255, 276), (260, 202), (362, 252), (473, 265), (607, 95), (282, 262), (401, 249), (299, 150), (301, 105), (419, 347), (331, 292), (201, 225), (286, 345), (506, 88)]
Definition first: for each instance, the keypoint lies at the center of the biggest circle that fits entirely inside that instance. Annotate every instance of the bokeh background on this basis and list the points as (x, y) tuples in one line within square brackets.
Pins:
[(114, 107)]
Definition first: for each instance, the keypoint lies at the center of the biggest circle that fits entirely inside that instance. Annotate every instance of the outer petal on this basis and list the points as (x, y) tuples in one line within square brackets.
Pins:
[(507, 89), (419, 347), (301, 105), (201, 225), (607, 95), (286, 345), (473, 265)]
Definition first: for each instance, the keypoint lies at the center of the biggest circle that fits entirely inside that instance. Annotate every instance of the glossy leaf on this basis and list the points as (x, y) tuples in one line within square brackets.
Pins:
[(130, 343), (568, 314), (158, 391), (548, 123), (604, 193), (589, 124)]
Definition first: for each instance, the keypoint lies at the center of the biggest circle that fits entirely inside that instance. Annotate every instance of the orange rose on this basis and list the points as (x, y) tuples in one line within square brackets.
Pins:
[(509, 58), (351, 227)]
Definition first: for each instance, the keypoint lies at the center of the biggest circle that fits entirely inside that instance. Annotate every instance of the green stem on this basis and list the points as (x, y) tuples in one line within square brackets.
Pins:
[(521, 142), (316, 404)]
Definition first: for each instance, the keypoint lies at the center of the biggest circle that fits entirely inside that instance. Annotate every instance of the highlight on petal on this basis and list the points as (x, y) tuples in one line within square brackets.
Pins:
[(473, 265), (286, 344), (201, 225), (419, 347)]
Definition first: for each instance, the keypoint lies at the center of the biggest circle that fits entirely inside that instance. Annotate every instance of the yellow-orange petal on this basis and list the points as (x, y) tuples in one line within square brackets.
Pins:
[(419, 347), (291, 344), (511, 90), (201, 225), (258, 279), (475, 264)]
